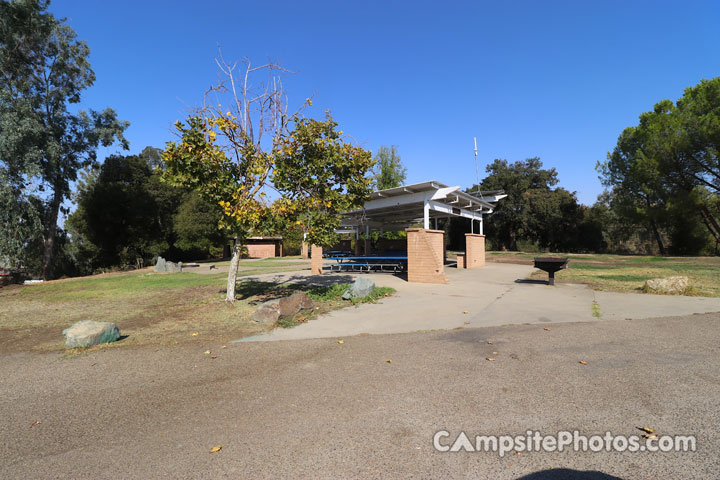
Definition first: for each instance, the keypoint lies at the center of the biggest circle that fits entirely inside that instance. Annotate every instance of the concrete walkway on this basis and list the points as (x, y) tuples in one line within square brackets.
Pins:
[(494, 295)]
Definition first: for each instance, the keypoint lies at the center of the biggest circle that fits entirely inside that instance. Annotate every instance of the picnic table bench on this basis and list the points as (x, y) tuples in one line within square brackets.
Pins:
[(367, 263)]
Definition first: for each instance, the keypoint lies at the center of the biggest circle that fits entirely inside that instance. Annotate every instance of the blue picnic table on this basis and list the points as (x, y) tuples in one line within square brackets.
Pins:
[(368, 263)]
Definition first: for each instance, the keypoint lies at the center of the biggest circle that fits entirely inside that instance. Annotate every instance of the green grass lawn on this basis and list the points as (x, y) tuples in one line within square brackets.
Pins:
[(627, 273), (151, 308)]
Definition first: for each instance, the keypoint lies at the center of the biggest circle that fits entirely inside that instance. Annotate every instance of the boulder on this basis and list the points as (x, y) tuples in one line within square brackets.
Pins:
[(160, 265), (667, 285), (268, 312), (291, 305), (361, 288), (164, 266), (272, 310), (87, 333), (172, 267)]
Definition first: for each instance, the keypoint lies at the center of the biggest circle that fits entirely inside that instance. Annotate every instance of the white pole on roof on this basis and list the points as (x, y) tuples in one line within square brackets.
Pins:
[(477, 171)]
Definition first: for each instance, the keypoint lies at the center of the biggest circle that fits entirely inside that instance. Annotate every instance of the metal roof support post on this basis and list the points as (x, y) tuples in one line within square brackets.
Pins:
[(481, 225), (426, 215)]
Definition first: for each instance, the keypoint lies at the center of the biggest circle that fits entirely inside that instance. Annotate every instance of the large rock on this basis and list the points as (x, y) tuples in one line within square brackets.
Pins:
[(164, 266), (268, 312), (160, 265), (87, 333), (361, 288), (272, 310), (667, 285), (291, 305)]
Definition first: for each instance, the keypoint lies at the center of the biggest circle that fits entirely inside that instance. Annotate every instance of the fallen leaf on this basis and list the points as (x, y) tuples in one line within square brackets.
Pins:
[(489, 359), (495, 353), (489, 342), (386, 295), (646, 429), (214, 357), (216, 449), (465, 312), (388, 361), (649, 436), (207, 352), (195, 334), (224, 346), (36, 422), (317, 308), (302, 319), (547, 329), (518, 453), (341, 342), (582, 362)]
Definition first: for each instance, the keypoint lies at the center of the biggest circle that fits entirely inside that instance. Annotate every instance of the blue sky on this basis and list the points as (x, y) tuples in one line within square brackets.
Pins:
[(558, 80)]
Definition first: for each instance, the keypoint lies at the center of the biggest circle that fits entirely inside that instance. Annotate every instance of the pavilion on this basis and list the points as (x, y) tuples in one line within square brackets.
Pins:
[(406, 207)]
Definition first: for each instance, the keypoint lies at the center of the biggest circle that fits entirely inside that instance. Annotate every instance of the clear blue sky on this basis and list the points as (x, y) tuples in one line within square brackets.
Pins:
[(558, 80)]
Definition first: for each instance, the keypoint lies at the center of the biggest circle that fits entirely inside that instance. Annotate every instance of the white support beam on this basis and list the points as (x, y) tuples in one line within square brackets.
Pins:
[(426, 215), (442, 208)]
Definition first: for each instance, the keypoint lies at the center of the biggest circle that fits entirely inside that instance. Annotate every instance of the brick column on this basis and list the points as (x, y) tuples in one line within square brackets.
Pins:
[(425, 255), (304, 250), (474, 250), (316, 257)]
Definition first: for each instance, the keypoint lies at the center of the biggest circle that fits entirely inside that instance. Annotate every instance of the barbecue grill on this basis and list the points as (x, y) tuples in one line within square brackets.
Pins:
[(551, 265)]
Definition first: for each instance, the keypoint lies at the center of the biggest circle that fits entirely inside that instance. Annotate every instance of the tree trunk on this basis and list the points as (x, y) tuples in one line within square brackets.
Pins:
[(711, 223), (232, 272), (657, 237), (51, 233)]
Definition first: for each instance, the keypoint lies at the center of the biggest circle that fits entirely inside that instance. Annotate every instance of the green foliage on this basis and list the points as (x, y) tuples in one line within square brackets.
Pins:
[(389, 171), (664, 173), (43, 144), (534, 216), (20, 224), (196, 226), (320, 176), (127, 215)]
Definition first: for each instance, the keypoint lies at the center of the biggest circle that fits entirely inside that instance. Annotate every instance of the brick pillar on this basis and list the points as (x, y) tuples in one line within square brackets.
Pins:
[(474, 250), (425, 256), (304, 250), (316, 265)]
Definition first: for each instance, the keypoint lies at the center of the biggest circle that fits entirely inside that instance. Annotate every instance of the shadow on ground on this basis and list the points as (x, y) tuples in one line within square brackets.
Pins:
[(532, 282), (568, 474)]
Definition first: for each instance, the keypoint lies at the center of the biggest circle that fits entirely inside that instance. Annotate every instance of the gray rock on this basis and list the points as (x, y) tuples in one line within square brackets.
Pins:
[(667, 285), (172, 267), (268, 312), (87, 333), (164, 266), (361, 288), (272, 310), (160, 265)]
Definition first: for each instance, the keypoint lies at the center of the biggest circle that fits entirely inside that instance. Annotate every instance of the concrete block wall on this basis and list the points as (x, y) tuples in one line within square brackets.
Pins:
[(474, 250), (426, 251), (316, 260)]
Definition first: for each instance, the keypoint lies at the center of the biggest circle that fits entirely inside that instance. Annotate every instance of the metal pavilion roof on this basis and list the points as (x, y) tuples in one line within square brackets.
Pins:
[(420, 202)]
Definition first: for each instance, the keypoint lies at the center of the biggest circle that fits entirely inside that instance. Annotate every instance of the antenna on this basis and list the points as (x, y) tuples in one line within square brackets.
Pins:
[(477, 172)]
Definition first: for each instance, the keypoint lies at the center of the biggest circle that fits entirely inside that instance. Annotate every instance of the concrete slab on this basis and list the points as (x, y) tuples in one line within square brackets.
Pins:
[(497, 294)]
